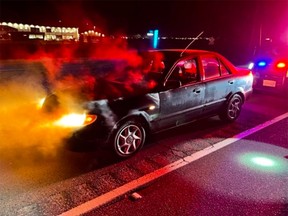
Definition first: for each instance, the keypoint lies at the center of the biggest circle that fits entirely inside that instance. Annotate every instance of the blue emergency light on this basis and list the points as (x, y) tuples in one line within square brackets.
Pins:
[(262, 64)]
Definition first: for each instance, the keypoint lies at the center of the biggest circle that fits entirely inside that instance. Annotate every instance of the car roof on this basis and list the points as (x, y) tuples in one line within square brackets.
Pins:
[(184, 52), (190, 51)]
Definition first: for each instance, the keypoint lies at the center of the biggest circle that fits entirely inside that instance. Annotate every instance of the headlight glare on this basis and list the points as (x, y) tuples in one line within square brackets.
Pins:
[(76, 120)]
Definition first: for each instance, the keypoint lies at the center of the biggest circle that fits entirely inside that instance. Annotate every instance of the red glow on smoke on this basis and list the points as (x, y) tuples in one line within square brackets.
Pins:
[(84, 83), (23, 90)]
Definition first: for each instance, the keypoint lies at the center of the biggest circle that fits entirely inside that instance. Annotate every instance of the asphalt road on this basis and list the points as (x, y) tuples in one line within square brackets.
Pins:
[(51, 180), (248, 177)]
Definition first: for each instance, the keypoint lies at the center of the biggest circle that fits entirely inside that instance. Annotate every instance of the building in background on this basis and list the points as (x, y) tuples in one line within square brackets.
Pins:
[(91, 36), (24, 32)]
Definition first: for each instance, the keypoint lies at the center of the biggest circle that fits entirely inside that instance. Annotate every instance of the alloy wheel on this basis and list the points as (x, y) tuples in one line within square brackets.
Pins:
[(234, 108), (129, 139)]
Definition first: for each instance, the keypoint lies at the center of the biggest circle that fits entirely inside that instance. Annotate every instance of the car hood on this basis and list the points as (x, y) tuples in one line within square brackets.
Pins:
[(110, 89)]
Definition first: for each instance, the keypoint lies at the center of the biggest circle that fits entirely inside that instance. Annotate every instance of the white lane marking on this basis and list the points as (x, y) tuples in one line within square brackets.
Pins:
[(111, 195)]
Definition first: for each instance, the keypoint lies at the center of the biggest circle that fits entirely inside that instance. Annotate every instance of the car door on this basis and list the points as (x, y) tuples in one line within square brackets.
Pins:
[(219, 82), (182, 98)]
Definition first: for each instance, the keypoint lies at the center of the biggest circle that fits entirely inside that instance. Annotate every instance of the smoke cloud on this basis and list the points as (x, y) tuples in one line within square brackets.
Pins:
[(23, 125)]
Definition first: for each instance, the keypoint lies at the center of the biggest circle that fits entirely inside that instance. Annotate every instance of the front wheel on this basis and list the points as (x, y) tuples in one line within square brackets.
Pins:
[(232, 110), (128, 139)]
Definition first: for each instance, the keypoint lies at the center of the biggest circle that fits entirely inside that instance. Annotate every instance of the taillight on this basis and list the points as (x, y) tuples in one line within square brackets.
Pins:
[(281, 65), (251, 77)]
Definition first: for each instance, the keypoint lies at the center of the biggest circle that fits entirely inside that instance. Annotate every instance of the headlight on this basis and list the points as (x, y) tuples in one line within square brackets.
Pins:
[(76, 120), (251, 65)]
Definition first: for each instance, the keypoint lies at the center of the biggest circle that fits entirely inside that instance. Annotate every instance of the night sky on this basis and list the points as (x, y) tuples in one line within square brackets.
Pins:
[(234, 21)]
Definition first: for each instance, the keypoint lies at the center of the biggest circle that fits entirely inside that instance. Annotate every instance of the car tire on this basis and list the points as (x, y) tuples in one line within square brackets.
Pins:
[(128, 139), (233, 109)]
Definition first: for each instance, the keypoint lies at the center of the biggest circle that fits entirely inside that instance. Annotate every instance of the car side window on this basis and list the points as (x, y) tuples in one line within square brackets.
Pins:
[(224, 69), (186, 71), (211, 67)]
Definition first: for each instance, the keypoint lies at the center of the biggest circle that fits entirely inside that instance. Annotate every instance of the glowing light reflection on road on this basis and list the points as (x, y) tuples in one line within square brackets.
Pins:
[(264, 162)]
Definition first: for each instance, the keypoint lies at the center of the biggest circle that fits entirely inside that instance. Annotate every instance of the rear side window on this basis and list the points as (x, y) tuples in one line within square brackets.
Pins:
[(211, 67), (224, 69)]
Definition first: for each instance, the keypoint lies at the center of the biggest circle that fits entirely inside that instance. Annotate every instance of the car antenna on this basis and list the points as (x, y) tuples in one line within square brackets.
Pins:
[(191, 42)]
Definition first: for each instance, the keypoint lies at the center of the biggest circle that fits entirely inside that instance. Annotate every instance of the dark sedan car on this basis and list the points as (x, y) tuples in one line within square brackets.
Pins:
[(175, 88), (270, 70)]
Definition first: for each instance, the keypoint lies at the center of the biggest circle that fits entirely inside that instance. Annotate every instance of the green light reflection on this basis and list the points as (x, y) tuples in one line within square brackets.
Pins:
[(264, 162)]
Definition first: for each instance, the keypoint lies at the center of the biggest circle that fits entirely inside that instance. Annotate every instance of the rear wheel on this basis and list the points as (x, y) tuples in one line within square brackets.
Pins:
[(128, 139), (232, 110)]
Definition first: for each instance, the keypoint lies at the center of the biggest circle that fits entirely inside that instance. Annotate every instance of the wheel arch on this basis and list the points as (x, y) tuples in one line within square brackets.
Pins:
[(224, 114), (240, 93)]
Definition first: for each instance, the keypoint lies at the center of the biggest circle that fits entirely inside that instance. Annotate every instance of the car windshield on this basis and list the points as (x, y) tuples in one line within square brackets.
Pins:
[(159, 61)]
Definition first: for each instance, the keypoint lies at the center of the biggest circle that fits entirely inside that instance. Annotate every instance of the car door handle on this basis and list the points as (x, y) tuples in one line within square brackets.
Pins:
[(197, 90), (231, 82)]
